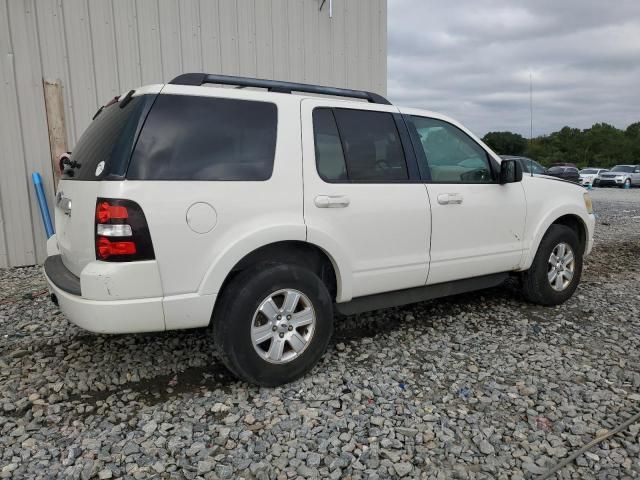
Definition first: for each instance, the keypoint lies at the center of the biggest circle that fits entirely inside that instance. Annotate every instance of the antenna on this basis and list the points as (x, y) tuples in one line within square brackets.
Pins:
[(531, 106), (531, 119)]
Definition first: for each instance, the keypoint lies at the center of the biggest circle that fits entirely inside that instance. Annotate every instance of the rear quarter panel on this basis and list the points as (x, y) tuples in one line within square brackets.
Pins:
[(247, 214)]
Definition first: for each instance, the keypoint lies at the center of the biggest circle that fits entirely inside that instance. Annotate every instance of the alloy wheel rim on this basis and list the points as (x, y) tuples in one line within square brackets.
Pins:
[(561, 267), (282, 326)]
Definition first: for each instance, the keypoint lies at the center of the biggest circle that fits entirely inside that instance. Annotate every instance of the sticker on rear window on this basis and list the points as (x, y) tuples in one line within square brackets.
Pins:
[(99, 168)]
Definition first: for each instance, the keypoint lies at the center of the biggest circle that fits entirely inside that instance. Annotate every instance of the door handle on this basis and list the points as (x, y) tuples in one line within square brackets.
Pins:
[(329, 201), (450, 199)]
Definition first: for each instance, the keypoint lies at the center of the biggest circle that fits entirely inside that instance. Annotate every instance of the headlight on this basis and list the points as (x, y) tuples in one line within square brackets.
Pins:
[(588, 203)]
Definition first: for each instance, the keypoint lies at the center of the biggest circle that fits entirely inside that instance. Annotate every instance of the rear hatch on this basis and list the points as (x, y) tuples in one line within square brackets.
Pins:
[(101, 154)]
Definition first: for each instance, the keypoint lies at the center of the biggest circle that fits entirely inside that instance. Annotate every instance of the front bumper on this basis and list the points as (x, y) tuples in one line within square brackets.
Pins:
[(610, 182), (101, 316)]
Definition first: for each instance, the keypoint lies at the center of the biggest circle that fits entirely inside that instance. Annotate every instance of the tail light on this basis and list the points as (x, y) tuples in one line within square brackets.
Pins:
[(121, 231)]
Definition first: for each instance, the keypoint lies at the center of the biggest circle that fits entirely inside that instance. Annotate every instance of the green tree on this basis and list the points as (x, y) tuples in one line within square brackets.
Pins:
[(602, 145), (506, 143)]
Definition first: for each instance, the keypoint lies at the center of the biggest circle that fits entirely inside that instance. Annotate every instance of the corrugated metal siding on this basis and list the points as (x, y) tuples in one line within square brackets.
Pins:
[(101, 48)]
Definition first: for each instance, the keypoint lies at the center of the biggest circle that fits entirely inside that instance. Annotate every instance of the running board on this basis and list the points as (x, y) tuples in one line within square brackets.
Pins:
[(419, 294)]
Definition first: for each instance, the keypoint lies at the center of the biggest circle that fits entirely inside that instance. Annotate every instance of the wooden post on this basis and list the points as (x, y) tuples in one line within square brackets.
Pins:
[(54, 104)]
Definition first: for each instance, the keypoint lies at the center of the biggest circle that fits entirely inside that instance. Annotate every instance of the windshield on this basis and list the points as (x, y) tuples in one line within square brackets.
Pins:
[(556, 169), (589, 171), (622, 168), (531, 166)]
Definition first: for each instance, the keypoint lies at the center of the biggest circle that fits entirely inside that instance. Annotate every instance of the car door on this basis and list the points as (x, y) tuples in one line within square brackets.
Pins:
[(635, 176), (477, 224), (364, 201)]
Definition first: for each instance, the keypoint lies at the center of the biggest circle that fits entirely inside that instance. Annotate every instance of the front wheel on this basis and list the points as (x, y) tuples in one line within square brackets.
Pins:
[(626, 184), (556, 269), (273, 323)]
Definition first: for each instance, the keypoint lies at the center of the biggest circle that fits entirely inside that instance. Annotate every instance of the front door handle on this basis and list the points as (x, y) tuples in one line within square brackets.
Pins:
[(450, 199), (331, 201)]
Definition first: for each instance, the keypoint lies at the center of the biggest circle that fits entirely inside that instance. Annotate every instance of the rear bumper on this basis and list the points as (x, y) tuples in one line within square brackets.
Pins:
[(123, 298), (101, 316)]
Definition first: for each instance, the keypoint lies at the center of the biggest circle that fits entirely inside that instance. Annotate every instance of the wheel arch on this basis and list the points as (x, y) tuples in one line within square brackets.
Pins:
[(295, 252), (569, 219)]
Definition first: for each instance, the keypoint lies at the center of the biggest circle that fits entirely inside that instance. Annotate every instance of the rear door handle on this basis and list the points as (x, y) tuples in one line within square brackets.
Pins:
[(449, 198), (331, 201)]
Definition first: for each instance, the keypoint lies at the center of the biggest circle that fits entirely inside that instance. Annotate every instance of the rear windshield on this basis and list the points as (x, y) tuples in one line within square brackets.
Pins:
[(203, 138), (105, 146)]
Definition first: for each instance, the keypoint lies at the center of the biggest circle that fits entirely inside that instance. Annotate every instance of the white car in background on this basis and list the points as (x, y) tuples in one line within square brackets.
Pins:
[(589, 176)]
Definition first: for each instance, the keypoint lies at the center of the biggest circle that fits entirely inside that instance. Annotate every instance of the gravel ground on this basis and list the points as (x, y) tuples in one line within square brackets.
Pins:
[(480, 385)]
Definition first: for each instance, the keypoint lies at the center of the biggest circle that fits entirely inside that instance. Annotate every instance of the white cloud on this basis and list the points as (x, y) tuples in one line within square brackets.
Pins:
[(472, 59)]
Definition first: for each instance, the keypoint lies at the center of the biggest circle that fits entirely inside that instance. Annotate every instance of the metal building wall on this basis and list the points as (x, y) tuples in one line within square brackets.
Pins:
[(101, 48)]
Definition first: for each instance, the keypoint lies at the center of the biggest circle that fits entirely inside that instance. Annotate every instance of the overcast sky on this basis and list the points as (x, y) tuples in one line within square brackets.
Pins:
[(471, 59)]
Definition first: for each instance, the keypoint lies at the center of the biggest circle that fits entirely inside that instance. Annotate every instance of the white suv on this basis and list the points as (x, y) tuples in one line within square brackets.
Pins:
[(260, 212)]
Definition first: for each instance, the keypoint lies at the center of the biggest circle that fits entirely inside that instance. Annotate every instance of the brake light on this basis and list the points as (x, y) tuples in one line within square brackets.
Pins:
[(121, 231), (107, 248), (105, 212)]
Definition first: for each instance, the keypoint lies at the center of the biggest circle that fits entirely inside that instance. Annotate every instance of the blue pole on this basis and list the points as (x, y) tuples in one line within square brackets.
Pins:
[(42, 203)]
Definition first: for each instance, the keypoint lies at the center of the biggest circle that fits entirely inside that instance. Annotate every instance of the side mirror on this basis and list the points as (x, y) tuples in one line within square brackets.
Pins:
[(510, 171)]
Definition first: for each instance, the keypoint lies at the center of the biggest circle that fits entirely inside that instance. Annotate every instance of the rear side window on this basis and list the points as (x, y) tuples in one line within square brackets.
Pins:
[(359, 146), (105, 146), (201, 138)]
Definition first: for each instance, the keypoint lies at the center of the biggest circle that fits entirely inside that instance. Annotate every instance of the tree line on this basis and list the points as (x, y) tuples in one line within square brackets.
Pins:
[(602, 145)]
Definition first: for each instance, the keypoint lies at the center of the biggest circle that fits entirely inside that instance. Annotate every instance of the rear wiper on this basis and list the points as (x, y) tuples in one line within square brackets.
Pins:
[(98, 112), (67, 161)]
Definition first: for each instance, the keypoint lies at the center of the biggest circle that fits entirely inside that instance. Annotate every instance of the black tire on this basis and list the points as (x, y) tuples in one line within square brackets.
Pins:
[(626, 184), (535, 283), (234, 314)]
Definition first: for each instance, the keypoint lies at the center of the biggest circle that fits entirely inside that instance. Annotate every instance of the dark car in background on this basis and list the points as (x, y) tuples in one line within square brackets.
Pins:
[(570, 174), (528, 165)]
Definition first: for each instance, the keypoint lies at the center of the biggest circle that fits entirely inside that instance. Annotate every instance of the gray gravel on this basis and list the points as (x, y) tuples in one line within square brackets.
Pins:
[(475, 386)]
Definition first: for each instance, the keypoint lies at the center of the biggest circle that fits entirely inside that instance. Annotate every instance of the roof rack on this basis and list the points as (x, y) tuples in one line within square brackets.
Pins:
[(198, 79)]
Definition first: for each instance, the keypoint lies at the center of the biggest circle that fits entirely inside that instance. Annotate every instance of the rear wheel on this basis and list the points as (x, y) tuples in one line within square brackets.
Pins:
[(273, 323), (556, 269)]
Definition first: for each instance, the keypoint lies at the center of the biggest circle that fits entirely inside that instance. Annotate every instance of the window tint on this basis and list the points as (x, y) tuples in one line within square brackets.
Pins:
[(329, 155), (371, 146), (109, 139), (452, 156), (201, 138)]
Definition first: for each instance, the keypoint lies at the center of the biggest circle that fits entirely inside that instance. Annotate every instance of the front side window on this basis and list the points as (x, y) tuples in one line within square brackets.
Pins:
[(202, 138), (452, 156), (359, 146)]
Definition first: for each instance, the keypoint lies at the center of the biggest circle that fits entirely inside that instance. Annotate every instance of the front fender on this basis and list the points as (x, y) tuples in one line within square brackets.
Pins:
[(543, 224)]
